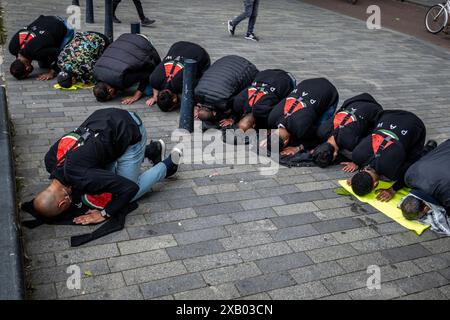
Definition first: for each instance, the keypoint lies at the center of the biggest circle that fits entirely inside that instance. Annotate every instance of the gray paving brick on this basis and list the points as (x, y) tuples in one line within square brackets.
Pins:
[(252, 215), (168, 216), (438, 245), (91, 285), (283, 262), (333, 203), (294, 220), (421, 282), (218, 209), (264, 283), (59, 273), (172, 285), (147, 244), (43, 246), (445, 290), (212, 261), (206, 222), (245, 240), (125, 293), (44, 260), (374, 244), (293, 232), (221, 292), (264, 251), (337, 213), (199, 236), (405, 253), (220, 188), (317, 272), (296, 208), (355, 235), (310, 243), (299, 292), (237, 196), (156, 272), (86, 254), (433, 263), (192, 201), (261, 203), (195, 249), (154, 230), (231, 273), (44, 292), (331, 253), (137, 260), (299, 197), (387, 291), (314, 186), (363, 261), (432, 294), (336, 225), (251, 227)]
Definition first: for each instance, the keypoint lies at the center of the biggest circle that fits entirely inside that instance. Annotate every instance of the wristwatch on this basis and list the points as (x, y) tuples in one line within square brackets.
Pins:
[(104, 214)]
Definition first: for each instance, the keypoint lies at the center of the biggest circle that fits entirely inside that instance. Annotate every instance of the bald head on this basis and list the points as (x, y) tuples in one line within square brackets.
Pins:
[(52, 201)]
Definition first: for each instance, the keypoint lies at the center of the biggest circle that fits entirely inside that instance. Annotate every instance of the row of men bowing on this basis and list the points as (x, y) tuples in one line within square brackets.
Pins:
[(230, 93)]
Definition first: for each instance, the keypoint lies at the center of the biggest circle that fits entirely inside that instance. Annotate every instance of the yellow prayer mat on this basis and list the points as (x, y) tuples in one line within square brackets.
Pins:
[(389, 208), (78, 85)]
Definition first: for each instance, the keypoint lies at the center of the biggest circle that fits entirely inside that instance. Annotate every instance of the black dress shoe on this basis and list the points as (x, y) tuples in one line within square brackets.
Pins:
[(116, 20), (431, 145)]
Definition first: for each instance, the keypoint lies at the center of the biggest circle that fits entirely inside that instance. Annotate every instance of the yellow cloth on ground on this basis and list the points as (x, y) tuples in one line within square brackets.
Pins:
[(78, 85), (389, 208)]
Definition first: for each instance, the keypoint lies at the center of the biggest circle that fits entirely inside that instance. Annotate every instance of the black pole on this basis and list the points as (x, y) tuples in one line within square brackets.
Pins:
[(109, 20), (89, 11), (187, 97), (135, 27), (76, 2)]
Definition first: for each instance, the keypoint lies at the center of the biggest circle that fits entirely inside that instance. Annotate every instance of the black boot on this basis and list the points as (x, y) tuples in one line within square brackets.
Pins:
[(155, 151)]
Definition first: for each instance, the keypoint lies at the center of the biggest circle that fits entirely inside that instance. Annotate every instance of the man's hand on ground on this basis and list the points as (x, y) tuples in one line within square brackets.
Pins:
[(47, 76), (152, 101), (349, 166), (385, 194), (91, 217), (196, 112), (290, 151), (226, 122), (133, 98)]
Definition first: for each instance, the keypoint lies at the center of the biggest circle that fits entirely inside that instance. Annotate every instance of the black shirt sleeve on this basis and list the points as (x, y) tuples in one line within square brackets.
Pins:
[(14, 45), (157, 77), (122, 189)]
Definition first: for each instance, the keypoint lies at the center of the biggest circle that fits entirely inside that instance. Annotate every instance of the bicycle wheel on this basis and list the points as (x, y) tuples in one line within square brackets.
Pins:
[(436, 18)]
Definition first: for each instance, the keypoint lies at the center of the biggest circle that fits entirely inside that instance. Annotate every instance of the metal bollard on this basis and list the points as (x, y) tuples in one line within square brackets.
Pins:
[(187, 97), (76, 2), (89, 11), (109, 20), (136, 27)]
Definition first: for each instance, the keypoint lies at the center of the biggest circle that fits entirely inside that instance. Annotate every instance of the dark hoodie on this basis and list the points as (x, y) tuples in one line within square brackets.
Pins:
[(407, 138), (300, 111), (268, 88), (41, 40), (352, 122)]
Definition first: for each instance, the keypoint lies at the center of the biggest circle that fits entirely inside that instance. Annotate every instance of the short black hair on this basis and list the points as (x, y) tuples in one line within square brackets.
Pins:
[(18, 69), (65, 79), (362, 183), (101, 92), (323, 155), (412, 207), (165, 100)]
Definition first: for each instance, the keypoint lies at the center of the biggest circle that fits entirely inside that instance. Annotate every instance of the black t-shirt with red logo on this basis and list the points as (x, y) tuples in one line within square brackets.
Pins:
[(268, 88), (396, 142), (352, 122), (304, 106), (41, 40), (83, 167), (169, 73)]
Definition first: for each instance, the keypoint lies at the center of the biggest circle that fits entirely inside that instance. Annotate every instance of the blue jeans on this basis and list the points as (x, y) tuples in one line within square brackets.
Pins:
[(250, 12), (129, 165), (327, 114)]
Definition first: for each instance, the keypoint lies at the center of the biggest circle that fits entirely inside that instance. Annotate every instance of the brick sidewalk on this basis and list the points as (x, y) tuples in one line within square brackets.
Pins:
[(237, 234)]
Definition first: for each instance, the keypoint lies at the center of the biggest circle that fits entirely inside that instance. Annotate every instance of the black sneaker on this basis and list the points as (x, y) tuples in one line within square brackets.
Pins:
[(175, 156), (231, 28), (251, 36), (146, 22), (116, 20), (155, 151)]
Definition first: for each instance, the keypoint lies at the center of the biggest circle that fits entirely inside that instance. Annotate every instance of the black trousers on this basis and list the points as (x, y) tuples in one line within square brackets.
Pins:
[(137, 4)]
